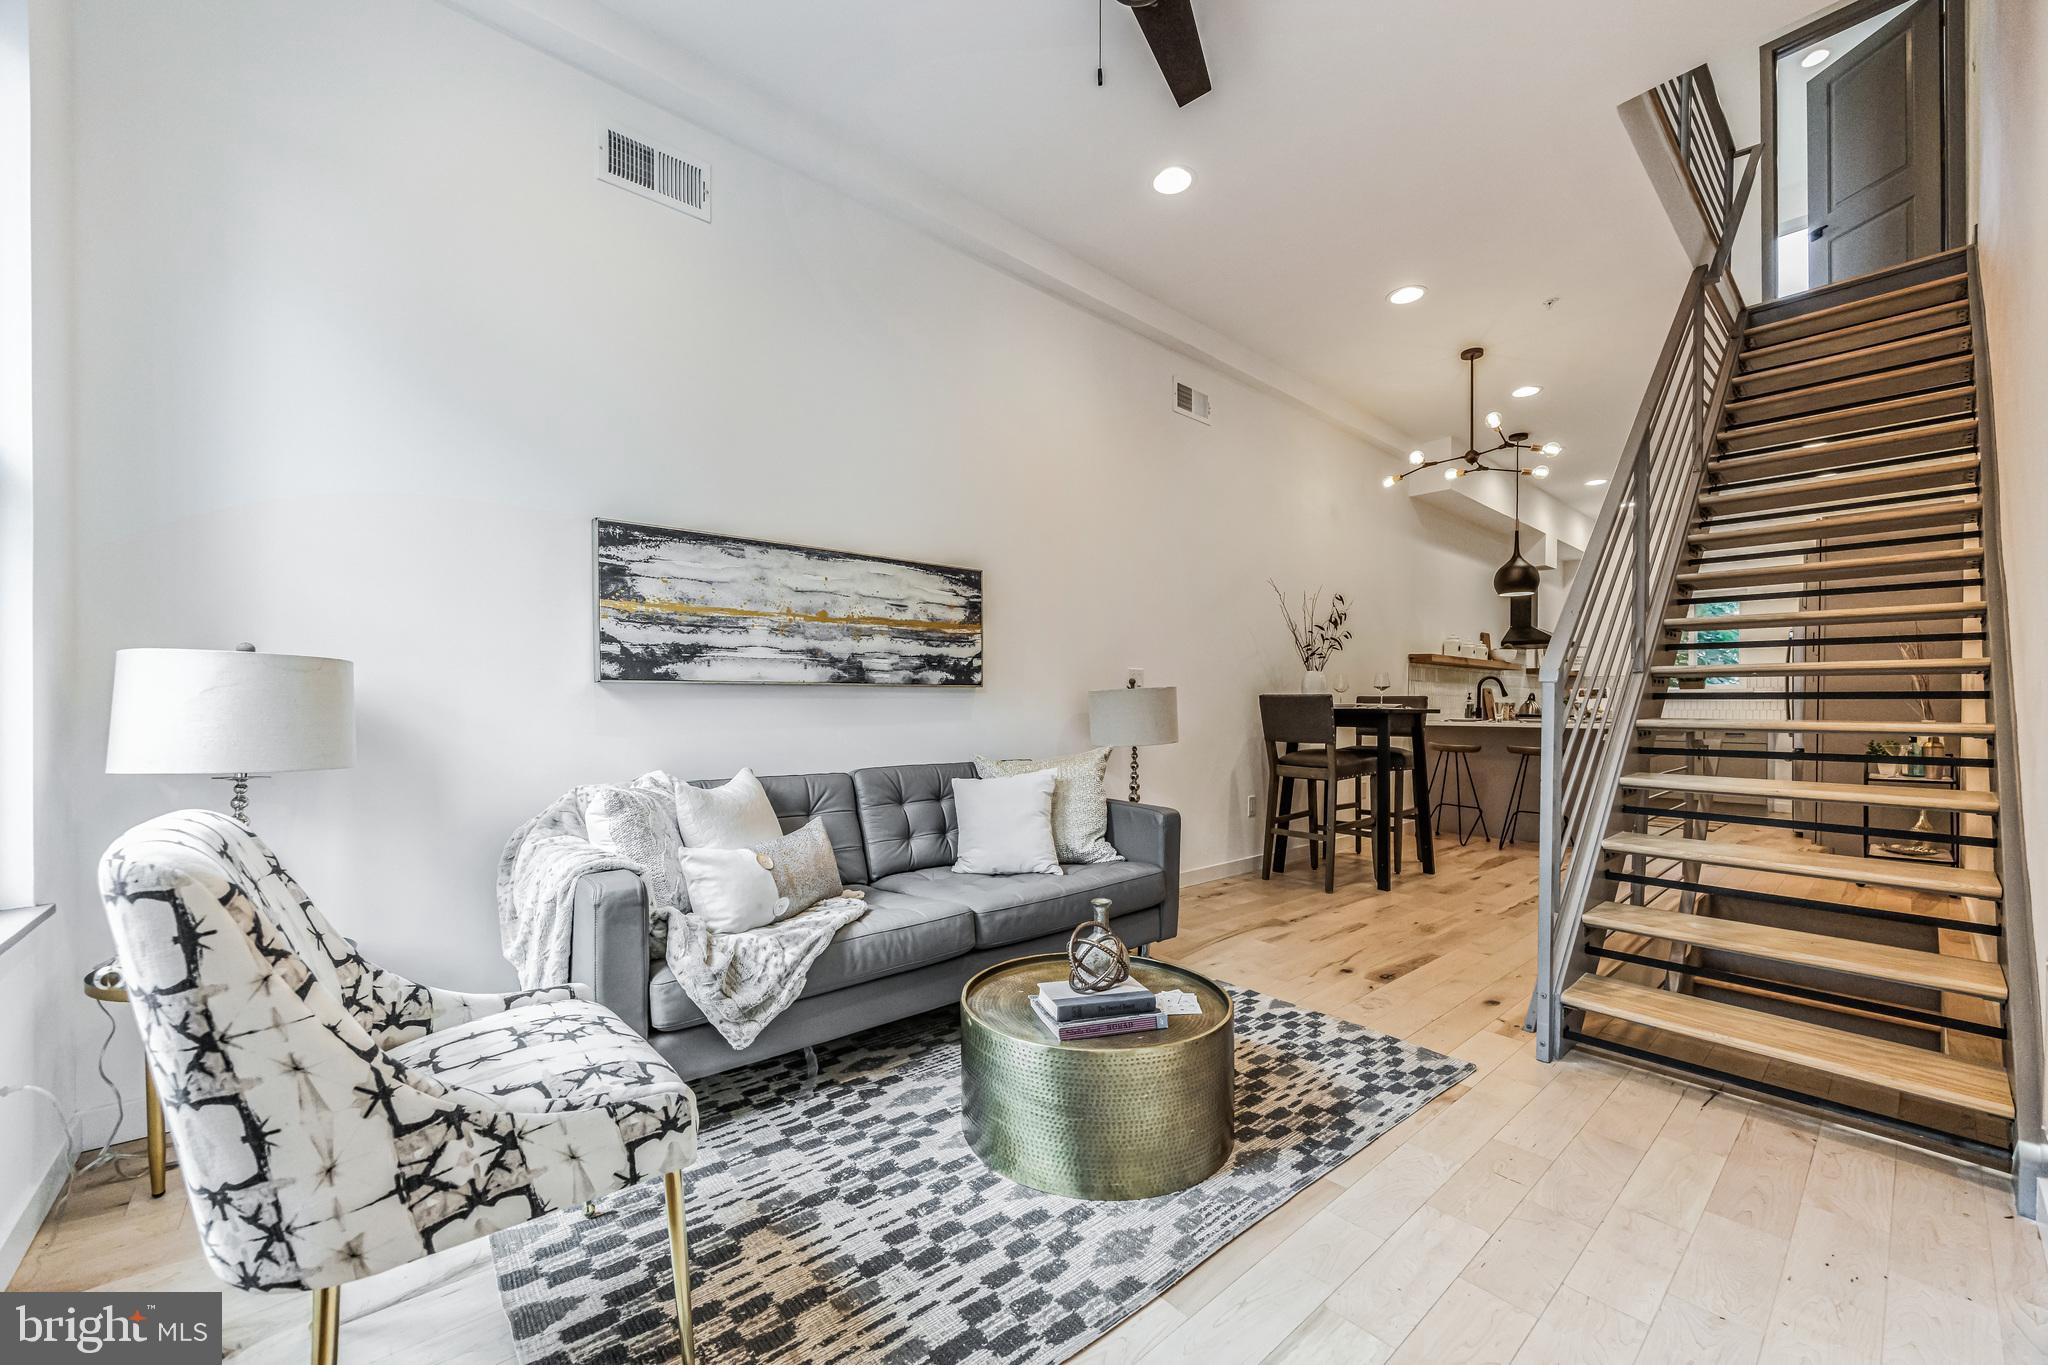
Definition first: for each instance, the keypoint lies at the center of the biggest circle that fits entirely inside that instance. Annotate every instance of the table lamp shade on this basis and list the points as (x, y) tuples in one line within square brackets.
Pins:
[(226, 711), (1134, 715)]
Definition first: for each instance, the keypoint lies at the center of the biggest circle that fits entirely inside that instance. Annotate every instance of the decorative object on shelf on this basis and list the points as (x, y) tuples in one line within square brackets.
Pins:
[(688, 606), (1518, 577), (1316, 636), (1134, 715), (1882, 750), (1096, 957), (234, 714)]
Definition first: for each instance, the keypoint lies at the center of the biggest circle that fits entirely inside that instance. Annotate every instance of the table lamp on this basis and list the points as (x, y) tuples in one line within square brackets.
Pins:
[(1134, 715), (230, 713)]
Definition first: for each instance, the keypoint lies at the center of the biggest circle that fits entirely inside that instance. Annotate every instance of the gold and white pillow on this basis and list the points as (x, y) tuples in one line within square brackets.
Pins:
[(1080, 807)]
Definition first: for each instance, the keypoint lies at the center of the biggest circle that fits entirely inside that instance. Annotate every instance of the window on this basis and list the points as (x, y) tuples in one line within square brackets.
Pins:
[(1712, 644)]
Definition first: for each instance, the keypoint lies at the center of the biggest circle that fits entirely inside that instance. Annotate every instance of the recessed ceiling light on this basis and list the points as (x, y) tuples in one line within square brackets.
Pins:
[(1814, 58), (1407, 293), (1552, 449), (1527, 391), (1173, 180), (1596, 483), (1415, 457)]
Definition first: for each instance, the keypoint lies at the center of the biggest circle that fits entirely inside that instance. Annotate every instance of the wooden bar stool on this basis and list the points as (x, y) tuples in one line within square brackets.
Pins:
[(1516, 794), (1456, 789)]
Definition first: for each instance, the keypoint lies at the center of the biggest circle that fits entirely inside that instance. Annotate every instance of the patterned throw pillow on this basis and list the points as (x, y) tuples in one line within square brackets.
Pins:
[(803, 867), (1080, 809), (639, 824)]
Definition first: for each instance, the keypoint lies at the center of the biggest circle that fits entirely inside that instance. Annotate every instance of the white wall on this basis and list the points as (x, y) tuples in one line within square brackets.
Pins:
[(363, 346), (2009, 131)]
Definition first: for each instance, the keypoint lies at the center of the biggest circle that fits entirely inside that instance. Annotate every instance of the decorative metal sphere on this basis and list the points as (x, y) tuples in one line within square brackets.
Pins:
[(1096, 958)]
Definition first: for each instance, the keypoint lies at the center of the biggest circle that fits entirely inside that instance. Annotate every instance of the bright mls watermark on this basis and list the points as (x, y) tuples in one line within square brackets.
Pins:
[(160, 1329)]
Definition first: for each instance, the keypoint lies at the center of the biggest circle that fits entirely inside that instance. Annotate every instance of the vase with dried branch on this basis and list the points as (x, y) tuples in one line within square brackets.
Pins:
[(1317, 634)]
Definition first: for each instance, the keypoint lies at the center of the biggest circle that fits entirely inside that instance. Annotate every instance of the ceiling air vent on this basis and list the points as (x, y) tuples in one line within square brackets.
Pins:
[(1190, 401), (635, 164)]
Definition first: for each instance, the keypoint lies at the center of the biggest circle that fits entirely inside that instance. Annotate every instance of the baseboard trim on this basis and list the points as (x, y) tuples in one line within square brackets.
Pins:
[(2029, 1168), (1216, 872), (29, 1221)]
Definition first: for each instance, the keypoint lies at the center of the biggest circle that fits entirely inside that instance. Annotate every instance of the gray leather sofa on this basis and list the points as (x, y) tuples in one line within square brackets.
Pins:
[(927, 928)]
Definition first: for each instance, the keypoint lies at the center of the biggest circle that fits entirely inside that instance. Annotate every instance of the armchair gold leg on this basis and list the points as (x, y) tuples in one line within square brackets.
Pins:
[(327, 1325), (679, 1260)]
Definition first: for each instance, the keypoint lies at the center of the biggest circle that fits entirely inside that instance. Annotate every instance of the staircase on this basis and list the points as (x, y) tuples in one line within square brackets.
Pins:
[(1798, 568)]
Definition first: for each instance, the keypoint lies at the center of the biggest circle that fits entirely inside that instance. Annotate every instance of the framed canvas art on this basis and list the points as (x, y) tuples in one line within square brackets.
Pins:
[(688, 606)]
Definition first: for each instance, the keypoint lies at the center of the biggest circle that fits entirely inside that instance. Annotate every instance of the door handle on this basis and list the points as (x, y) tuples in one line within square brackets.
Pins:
[(1818, 233)]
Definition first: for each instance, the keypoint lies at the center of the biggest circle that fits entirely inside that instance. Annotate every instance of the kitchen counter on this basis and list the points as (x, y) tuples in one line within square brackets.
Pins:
[(1521, 723)]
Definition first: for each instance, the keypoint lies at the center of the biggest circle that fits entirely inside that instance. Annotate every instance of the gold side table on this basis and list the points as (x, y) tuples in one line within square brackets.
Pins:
[(104, 983), (1130, 1116)]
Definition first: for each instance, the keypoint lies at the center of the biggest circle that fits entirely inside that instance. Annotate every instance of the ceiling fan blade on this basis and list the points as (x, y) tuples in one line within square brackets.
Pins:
[(1169, 27)]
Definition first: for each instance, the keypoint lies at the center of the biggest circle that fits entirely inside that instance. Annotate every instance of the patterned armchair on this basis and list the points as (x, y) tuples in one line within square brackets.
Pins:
[(334, 1119)]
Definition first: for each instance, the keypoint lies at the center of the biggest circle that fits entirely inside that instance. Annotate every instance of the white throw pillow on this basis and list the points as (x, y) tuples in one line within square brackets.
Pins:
[(736, 815), (1006, 824), (730, 889), (1080, 807)]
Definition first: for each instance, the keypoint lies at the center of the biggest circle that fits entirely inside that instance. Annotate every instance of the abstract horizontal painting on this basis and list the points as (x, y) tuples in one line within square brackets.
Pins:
[(685, 606)]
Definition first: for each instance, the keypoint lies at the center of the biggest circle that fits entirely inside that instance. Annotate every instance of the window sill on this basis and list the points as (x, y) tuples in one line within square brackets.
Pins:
[(18, 923)]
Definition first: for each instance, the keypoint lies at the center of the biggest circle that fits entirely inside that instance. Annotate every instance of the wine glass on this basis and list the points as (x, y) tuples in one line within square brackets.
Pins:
[(1339, 685), (1382, 682)]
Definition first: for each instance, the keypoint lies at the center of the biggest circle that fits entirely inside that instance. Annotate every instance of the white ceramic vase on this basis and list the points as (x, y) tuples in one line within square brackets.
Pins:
[(1314, 680)]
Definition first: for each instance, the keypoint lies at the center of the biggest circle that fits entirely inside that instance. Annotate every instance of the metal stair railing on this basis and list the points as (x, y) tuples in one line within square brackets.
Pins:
[(1596, 671)]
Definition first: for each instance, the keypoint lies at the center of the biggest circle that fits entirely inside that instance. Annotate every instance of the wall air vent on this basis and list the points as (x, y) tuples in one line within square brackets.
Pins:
[(1190, 401), (633, 163)]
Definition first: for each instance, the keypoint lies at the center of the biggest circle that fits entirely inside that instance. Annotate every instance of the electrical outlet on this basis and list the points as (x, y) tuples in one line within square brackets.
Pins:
[(1251, 810), (1134, 677)]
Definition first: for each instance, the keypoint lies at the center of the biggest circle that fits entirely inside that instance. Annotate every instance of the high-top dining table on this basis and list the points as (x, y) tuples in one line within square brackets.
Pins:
[(1382, 720)]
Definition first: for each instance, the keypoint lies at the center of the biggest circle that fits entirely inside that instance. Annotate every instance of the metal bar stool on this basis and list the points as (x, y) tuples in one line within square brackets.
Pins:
[(1452, 781), (1515, 809)]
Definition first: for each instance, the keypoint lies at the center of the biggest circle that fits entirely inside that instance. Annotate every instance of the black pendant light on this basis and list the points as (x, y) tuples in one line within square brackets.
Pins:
[(1517, 577)]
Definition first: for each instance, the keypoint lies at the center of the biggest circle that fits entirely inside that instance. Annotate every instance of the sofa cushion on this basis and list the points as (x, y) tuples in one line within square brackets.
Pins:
[(800, 798), (1012, 909), (899, 932), (906, 816)]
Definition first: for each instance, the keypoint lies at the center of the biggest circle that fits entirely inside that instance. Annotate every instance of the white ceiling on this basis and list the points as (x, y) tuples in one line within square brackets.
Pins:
[(1349, 146)]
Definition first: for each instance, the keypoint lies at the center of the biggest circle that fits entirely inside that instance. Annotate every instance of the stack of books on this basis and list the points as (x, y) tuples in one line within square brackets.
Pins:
[(1127, 1007)]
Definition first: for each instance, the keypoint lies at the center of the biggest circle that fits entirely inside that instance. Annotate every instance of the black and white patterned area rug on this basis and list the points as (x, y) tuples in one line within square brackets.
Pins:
[(852, 1223)]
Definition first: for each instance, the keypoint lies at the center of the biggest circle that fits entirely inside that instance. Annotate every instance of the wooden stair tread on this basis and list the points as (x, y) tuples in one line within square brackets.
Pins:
[(1859, 381), (1963, 729), (1836, 616), (1960, 279), (1821, 485), (1840, 793), (1815, 570), (1819, 449), (1825, 668), (1901, 500), (1953, 393), (1851, 329), (1908, 1070), (1938, 513), (1882, 348), (1879, 961), (1936, 879)]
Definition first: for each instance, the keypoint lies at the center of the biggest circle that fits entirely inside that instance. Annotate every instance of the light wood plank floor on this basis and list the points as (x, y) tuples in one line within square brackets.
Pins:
[(1580, 1212)]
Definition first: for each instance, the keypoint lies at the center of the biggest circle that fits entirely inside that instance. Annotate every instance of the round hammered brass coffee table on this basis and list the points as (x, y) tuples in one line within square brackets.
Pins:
[(1130, 1116)]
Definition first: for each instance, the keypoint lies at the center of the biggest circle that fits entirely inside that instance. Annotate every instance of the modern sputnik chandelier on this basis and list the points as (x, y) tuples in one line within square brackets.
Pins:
[(1518, 577)]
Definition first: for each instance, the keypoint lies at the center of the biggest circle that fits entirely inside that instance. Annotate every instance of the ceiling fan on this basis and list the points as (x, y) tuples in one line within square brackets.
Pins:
[(1169, 27)]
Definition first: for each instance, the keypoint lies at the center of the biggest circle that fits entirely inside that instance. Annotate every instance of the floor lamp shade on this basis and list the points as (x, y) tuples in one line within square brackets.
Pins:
[(226, 711), (1134, 715)]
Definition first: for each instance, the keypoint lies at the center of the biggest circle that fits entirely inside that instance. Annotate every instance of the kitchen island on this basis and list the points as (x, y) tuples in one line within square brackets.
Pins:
[(1493, 772)]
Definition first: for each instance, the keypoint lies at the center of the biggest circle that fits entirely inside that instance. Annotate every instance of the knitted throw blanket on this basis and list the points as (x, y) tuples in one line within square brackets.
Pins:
[(740, 981)]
